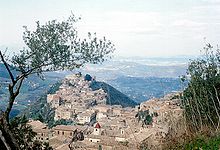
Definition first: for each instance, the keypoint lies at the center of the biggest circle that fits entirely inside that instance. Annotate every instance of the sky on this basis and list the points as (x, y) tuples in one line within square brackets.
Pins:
[(147, 28)]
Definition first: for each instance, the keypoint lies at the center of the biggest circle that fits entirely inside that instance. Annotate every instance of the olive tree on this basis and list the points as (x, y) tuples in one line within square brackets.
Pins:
[(51, 47)]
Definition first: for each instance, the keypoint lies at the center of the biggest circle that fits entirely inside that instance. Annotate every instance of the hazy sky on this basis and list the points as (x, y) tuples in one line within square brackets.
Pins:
[(137, 27)]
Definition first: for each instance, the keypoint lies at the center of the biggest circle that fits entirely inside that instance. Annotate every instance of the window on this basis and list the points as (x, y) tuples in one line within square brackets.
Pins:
[(90, 140), (63, 133), (42, 134), (122, 132), (70, 133), (96, 129), (58, 132)]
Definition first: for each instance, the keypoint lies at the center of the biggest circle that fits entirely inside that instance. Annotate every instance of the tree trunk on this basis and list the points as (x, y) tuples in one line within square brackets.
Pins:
[(6, 136), (3, 143)]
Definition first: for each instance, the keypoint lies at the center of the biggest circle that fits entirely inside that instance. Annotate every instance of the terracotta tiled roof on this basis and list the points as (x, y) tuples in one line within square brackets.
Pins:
[(68, 127), (37, 124), (97, 125)]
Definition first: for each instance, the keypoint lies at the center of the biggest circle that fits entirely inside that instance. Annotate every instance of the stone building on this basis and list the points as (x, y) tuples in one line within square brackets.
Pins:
[(54, 100), (64, 113), (66, 130), (87, 117), (74, 97), (43, 133)]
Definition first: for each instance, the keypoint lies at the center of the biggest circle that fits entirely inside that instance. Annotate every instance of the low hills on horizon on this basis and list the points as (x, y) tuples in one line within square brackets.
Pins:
[(36, 92), (137, 81)]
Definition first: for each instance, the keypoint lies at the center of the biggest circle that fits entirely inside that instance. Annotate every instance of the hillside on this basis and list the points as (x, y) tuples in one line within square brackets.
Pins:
[(138, 79), (31, 90), (41, 109), (114, 97), (144, 88)]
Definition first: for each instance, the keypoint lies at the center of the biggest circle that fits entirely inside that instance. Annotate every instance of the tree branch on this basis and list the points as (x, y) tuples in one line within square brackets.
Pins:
[(12, 97), (7, 67), (31, 71), (19, 86)]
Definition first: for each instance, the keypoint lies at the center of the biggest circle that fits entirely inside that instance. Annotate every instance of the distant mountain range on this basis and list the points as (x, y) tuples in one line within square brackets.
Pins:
[(137, 78), (143, 88), (142, 78)]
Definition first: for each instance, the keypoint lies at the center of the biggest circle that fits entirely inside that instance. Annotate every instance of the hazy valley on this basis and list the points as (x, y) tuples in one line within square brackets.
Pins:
[(139, 79)]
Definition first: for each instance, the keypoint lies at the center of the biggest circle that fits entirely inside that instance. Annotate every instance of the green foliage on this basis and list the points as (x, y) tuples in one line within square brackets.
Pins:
[(40, 118), (53, 46), (56, 46), (87, 77), (201, 97), (40, 110), (100, 147), (32, 89), (37, 145), (114, 97), (55, 87), (47, 146), (63, 122), (23, 132), (204, 143), (144, 117)]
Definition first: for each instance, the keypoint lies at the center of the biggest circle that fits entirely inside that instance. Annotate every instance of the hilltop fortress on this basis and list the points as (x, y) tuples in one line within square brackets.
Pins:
[(101, 125)]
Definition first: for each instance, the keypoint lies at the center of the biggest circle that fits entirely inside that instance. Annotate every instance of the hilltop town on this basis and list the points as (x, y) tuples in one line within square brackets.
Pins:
[(94, 124)]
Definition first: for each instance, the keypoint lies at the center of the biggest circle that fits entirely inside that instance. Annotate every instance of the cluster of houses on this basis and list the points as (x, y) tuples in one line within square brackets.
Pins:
[(74, 99), (101, 126)]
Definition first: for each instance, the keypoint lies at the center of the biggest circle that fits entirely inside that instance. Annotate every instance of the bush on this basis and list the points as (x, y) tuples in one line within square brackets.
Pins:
[(200, 142), (201, 97)]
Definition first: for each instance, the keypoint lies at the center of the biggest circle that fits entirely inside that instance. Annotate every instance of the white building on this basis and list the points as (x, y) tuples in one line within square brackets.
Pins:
[(86, 117)]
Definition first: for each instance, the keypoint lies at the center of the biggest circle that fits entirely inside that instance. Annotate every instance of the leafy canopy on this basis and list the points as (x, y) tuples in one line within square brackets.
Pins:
[(56, 46)]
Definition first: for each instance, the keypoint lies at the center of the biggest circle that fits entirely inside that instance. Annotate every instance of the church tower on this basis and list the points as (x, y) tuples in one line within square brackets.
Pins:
[(97, 129)]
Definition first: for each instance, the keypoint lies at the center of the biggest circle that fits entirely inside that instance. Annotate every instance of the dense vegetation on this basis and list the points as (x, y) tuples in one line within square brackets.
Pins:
[(40, 110), (145, 117), (25, 135), (201, 97), (200, 100), (114, 97), (205, 143)]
